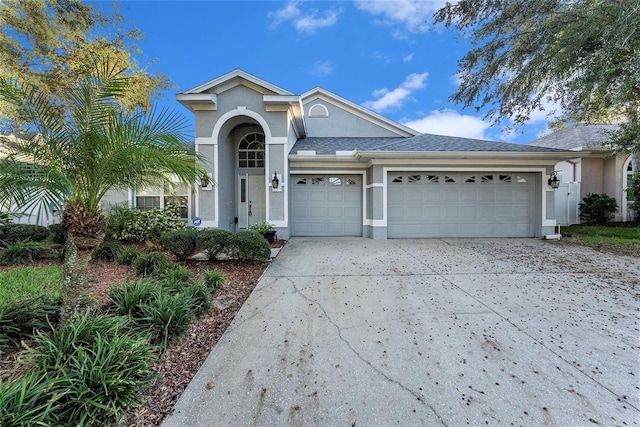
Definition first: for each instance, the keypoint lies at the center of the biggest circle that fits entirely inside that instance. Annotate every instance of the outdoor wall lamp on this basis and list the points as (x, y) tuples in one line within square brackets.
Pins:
[(553, 181), (206, 181), (275, 182)]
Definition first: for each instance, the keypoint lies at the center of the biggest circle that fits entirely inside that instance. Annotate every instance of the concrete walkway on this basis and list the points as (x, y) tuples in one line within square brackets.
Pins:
[(343, 332)]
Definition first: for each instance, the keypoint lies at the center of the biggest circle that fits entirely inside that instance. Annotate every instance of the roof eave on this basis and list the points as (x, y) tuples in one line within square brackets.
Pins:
[(293, 102), (533, 155), (198, 101)]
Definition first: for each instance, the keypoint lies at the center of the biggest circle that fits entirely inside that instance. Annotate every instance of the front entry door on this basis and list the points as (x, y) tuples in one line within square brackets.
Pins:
[(252, 200)]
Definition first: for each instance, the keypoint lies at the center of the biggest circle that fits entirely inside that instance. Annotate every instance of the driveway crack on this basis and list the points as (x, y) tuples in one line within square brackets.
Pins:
[(418, 396)]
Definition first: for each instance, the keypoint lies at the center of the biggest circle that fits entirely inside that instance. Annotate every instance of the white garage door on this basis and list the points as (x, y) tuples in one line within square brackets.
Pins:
[(432, 204), (326, 205)]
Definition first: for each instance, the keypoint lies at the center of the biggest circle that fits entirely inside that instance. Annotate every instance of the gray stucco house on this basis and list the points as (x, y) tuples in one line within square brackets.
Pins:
[(343, 170)]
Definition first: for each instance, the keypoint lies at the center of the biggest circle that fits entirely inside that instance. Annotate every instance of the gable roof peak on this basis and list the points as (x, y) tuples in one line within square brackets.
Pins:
[(320, 92), (238, 75)]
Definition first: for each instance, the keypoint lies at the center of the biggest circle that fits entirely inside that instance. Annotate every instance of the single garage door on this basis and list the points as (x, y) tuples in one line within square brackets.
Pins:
[(432, 204), (326, 205)]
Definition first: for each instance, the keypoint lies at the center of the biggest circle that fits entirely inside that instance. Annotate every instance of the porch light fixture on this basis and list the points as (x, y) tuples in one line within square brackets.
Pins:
[(204, 181), (553, 181), (275, 181)]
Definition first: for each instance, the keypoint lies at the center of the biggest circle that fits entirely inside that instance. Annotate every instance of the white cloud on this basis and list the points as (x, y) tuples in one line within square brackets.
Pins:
[(390, 99), (322, 68), (456, 79), (415, 15), (451, 123), (408, 58), (304, 21)]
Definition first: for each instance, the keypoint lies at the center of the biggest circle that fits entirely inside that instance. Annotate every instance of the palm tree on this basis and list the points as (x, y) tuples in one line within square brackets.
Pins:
[(74, 149)]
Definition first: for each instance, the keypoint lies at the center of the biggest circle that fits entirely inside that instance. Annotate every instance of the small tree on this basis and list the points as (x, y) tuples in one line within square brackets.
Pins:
[(597, 208)]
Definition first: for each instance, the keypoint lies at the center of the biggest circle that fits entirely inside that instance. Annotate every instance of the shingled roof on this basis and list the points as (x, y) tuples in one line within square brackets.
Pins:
[(570, 138), (420, 143)]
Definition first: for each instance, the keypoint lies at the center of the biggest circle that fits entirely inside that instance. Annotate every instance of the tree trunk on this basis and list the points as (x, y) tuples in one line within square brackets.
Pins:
[(76, 263)]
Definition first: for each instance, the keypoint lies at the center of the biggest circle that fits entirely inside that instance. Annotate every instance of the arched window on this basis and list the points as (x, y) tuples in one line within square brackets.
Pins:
[(251, 151), (627, 199)]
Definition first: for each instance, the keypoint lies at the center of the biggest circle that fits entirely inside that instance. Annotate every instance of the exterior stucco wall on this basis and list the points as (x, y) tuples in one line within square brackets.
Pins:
[(276, 162), (341, 123), (114, 197), (232, 99), (206, 198), (591, 176), (613, 181), (602, 175), (567, 170)]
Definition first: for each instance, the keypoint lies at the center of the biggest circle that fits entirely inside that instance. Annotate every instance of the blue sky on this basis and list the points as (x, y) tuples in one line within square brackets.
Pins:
[(384, 55)]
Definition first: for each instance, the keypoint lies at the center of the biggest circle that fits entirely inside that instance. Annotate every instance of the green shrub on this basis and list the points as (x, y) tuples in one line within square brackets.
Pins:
[(166, 316), (108, 250), (100, 367), (31, 400), (248, 245), (126, 224), (58, 233), (261, 227), (24, 252), (212, 241), (128, 297), (128, 256), (199, 295), (146, 264), (135, 225), (181, 243), (20, 319), (173, 276), (6, 218), (13, 233), (597, 208), (214, 280)]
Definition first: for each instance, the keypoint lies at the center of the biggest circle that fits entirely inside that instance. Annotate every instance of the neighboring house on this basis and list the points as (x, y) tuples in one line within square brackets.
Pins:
[(594, 167), (28, 214), (343, 170)]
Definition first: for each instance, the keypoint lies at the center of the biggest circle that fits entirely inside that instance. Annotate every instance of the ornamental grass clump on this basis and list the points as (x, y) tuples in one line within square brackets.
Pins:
[(127, 298), (214, 280), (21, 318), (25, 252), (165, 316), (146, 265), (93, 368), (108, 250)]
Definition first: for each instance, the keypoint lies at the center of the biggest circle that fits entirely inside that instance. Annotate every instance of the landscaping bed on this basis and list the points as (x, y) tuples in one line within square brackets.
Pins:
[(177, 365)]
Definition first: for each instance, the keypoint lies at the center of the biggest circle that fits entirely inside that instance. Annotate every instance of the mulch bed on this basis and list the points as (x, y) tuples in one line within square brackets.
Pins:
[(182, 359)]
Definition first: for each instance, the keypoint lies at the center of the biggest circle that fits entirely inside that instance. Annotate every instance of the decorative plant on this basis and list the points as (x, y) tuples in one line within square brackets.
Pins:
[(598, 208), (261, 227)]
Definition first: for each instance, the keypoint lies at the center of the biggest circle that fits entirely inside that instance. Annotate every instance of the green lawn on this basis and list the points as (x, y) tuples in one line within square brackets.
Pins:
[(594, 234), (23, 282)]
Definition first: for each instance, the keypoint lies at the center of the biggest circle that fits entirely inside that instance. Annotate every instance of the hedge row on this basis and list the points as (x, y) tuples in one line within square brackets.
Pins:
[(243, 245)]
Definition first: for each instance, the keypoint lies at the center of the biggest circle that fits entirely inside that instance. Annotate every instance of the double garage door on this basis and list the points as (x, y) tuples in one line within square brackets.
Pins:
[(419, 205), (432, 204)]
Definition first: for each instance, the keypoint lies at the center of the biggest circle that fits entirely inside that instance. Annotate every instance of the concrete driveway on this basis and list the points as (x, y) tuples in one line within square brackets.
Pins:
[(428, 332)]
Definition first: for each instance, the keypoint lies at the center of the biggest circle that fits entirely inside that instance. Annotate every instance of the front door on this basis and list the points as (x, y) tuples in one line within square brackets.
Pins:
[(252, 200)]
